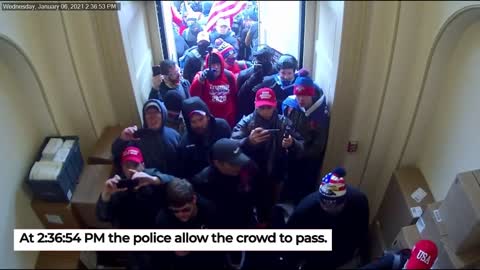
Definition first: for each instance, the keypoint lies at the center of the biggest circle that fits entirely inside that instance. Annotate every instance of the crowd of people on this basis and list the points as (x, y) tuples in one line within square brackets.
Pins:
[(235, 37), (233, 147)]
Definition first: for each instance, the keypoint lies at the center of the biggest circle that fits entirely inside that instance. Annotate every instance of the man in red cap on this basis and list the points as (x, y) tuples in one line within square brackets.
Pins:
[(308, 110), (133, 203), (268, 139)]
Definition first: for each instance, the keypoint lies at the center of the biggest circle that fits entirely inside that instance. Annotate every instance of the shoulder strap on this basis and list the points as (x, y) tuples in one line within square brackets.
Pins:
[(229, 76), (315, 106)]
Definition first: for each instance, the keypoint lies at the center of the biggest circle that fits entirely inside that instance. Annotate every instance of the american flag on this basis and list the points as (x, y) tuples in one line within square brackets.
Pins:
[(223, 9)]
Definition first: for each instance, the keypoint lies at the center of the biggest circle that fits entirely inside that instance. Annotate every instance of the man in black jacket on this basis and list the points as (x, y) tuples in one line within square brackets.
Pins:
[(268, 139), (203, 130), (227, 182), (281, 83), (133, 207), (339, 207), (157, 142), (172, 81), (187, 210), (249, 78)]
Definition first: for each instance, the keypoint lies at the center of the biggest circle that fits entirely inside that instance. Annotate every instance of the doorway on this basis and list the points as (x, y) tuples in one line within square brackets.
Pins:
[(249, 23)]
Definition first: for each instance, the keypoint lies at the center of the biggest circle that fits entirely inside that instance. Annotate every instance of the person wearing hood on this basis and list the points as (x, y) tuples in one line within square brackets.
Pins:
[(168, 79), (230, 55), (173, 102), (194, 58), (269, 140), (308, 111), (217, 87), (249, 78), (202, 131), (282, 82), (190, 34), (223, 31), (157, 142)]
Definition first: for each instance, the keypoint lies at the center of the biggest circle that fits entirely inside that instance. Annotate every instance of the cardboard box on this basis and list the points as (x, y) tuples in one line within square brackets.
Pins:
[(377, 244), (84, 201), (55, 215), (60, 189), (431, 225), (406, 197), (461, 211), (58, 260), (447, 259), (406, 238), (102, 152)]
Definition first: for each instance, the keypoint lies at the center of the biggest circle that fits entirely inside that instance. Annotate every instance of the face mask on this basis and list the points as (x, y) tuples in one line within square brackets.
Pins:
[(202, 49)]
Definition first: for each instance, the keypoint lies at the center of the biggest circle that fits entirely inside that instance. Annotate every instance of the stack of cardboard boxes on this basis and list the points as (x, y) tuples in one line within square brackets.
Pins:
[(408, 214), (76, 209), (458, 219), (52, 196)]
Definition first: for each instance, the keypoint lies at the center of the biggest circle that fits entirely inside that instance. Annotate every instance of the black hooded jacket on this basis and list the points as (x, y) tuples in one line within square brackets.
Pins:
[(159, 149), (193, 149)]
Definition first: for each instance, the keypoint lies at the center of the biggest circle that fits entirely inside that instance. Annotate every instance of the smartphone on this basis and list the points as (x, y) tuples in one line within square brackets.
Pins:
[(143, 132), (273, 130), (156, 70), (128, 183)]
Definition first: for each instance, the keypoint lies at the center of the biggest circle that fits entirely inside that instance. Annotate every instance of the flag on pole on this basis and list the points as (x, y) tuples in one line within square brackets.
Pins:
[(176, 16), (223, 9)]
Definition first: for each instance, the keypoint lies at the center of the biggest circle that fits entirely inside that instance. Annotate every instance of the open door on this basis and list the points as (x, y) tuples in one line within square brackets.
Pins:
[(168, 38), (280, 26)]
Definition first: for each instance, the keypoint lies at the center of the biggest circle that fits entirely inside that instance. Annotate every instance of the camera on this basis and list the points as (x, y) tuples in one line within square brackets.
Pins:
[(156, 70), (128, 183), (143, 132), (211, 74)]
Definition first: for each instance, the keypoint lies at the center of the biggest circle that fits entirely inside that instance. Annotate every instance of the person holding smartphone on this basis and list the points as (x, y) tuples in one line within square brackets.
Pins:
[(268, 139), (157, 142), (167, 78), (136, 207)]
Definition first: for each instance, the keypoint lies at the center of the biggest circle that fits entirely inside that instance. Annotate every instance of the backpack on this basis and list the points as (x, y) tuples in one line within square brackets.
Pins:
[(193, 51)]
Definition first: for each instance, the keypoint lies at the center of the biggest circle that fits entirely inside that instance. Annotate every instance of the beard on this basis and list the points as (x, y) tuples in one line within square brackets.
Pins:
[(199, 130)]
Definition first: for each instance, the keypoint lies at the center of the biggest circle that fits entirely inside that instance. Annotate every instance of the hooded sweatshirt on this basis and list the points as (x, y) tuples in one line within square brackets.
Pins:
[(193, 149), (158, 149), (219, 94)]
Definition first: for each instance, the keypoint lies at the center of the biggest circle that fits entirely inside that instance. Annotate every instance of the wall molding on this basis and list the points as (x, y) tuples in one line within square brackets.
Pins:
[(37, 78), (470, 15)]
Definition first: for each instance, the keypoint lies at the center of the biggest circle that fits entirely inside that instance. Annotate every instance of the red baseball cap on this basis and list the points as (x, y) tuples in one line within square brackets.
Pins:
[(423, 256), (132, 153), (265, 97)]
